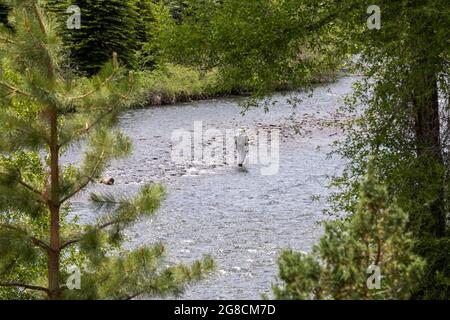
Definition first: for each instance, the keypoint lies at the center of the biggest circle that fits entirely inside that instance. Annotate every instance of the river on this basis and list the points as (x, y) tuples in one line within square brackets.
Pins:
[(241, 218)]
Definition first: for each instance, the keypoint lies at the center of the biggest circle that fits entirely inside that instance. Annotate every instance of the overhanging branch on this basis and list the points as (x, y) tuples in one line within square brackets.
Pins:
[(98, 228), (14, 89), (85, 183), (24, 286)]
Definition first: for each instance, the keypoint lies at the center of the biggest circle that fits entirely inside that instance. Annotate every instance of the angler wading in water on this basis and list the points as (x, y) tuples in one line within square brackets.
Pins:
[(241, 140)]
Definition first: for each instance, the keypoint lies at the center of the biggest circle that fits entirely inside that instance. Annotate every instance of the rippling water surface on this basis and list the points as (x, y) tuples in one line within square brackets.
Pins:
[(242, 219)]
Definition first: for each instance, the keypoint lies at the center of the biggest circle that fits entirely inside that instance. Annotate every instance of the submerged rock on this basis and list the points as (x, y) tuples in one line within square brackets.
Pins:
[(107, 181)]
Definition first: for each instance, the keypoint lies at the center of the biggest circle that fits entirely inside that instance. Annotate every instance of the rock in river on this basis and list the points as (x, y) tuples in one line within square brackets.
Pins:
[(107, 181)]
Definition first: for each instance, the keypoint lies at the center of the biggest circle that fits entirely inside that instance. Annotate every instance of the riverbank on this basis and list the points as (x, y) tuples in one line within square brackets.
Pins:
[(171, 84)]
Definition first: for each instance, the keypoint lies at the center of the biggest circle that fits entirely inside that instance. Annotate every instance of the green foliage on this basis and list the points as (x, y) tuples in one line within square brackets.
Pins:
[(177, 8), (40, 239), (404, 122), (4, 11), (130, 275), (261, 45), (146, 50), (376, 235), (171, 83), (107, 26)]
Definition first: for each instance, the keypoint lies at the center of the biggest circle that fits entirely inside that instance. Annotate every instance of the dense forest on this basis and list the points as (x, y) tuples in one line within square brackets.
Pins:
[(61, 86)]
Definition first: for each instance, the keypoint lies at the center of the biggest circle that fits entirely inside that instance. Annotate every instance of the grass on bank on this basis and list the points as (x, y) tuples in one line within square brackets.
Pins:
[(170, 83)]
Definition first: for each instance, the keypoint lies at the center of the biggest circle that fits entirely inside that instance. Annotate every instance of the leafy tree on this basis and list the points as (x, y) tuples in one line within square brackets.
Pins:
[(39, 237), (340, 265)]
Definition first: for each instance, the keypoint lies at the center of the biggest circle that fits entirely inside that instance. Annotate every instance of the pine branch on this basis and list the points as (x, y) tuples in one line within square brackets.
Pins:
[(144, 203), (24, 286), (35, 241), (106, 200), (77, 190), (7, 95), (14, 89), (331, 16), (130, 87), (40, 18), (27, 131), (106, 81), (8, 268)]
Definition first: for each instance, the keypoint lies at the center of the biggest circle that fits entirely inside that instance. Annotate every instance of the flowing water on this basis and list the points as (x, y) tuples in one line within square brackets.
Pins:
[(241, 218)]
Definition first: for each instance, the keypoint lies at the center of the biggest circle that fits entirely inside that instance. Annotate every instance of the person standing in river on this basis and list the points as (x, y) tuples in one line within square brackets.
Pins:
[(241, 141)]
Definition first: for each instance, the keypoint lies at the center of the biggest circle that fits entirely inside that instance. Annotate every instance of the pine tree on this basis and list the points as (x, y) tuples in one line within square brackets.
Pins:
[(39, 238), (107, 26), (350, 252)]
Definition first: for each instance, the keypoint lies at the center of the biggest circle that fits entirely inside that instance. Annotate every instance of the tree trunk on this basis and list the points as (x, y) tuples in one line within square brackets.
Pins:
[(428, 143), (54, 206), (425, 97)]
